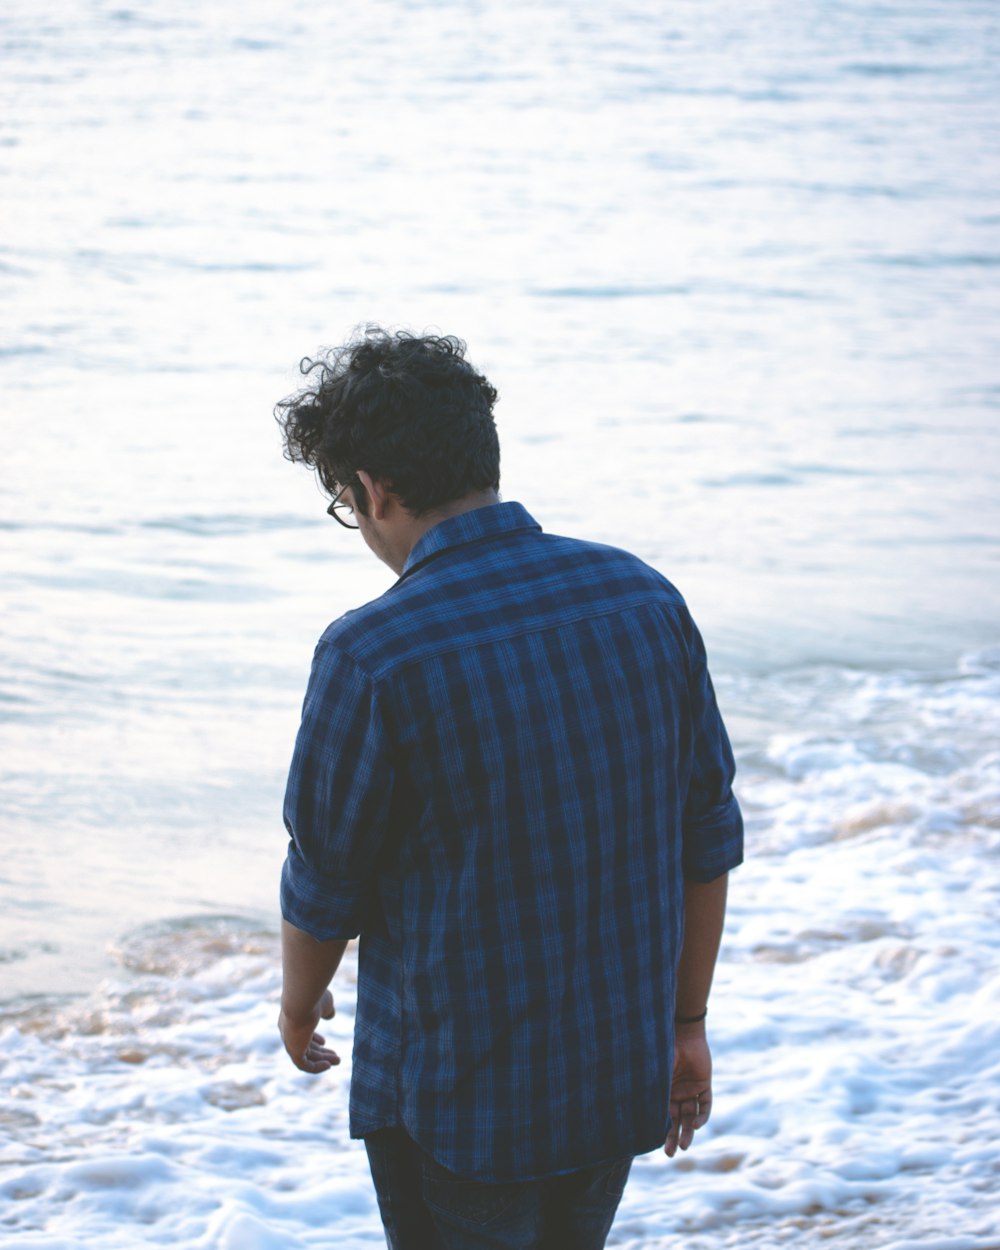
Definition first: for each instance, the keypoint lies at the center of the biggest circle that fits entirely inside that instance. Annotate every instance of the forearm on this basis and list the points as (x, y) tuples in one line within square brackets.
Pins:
[(704, 917), (307, 968)]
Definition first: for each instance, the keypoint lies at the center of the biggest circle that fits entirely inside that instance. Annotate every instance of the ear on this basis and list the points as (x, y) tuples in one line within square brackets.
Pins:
[(378, 493)]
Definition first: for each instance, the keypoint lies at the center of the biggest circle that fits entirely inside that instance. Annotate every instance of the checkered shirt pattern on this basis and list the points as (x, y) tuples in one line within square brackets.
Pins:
[(507, 766)]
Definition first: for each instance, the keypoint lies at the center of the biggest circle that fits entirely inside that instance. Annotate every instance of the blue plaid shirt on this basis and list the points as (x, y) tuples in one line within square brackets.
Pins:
[(507, 766)]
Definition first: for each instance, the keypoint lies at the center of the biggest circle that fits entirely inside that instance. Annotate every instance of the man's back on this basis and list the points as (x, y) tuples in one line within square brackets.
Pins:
[(508, 764)]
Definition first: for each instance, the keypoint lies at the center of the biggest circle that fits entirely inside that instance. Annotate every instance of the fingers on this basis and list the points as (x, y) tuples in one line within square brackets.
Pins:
[(318, 1049), (686, 1117), (306, 1049), (316, 1058), (681, 1134), (326, 1008)]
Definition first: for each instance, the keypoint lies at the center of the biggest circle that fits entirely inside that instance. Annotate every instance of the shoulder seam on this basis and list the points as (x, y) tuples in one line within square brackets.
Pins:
[(329, 644), (401, 666)]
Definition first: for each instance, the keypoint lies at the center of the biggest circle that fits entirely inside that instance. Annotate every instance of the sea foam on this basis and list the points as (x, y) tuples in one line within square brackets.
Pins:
[(855, 1024)]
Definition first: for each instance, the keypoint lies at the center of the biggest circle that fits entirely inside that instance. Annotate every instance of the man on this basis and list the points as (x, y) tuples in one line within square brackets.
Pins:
[(512, 780)]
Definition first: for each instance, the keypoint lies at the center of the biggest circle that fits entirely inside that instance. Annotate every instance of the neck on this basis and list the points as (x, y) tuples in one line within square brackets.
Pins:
[(468, 503), (412, 528)]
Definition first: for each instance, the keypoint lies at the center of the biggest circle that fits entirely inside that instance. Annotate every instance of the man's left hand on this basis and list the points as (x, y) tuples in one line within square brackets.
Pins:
[(691, 1090), (306, 1048)]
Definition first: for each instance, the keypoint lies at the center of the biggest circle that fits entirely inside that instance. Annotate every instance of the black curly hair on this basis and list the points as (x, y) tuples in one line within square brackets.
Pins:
[(409, 410)]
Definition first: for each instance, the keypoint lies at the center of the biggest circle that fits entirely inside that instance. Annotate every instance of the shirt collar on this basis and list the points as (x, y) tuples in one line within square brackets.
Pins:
[(468, 527)]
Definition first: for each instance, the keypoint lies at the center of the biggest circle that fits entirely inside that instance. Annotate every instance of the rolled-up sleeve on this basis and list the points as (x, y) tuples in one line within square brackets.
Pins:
[(337, 800), (713, 823)]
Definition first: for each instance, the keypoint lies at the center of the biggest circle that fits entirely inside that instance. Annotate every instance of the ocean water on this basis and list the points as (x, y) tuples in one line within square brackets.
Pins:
[(733, 269)]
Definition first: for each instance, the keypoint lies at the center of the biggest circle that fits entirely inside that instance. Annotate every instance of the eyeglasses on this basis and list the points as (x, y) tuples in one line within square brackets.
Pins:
[(342, 511)]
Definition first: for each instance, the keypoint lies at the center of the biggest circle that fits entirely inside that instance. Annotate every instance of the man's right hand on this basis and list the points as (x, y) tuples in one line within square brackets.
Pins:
[(306, 1048), (691, 1089)]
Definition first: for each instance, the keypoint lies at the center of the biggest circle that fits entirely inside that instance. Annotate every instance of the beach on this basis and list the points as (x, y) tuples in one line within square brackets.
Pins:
[(732, 269)]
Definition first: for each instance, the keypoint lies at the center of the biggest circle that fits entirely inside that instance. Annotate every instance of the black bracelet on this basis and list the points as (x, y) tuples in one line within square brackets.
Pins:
[(691, 1019)]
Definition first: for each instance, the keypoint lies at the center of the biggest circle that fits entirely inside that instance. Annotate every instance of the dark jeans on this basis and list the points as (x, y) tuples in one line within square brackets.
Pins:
[(426, 1207)]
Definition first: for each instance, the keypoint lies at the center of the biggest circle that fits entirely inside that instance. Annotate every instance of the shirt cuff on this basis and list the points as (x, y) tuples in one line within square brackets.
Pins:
[(714, 845), (325, 907)]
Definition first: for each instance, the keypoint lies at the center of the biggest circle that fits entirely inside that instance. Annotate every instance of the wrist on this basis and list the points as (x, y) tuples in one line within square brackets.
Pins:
[(688, 1018), (298, 1014)]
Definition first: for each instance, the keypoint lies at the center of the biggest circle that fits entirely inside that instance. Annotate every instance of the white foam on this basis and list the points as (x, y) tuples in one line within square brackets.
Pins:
[(855, 1026)]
